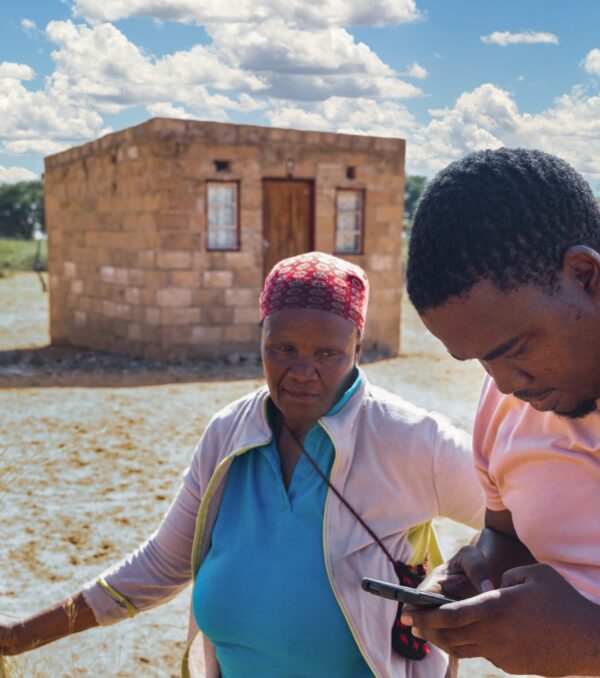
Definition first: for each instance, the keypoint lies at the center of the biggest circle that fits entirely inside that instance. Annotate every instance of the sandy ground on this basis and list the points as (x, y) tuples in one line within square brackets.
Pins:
[(91, 451)]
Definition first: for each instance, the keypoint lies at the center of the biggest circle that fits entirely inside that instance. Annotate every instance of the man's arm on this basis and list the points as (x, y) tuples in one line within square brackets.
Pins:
[(534, 623)]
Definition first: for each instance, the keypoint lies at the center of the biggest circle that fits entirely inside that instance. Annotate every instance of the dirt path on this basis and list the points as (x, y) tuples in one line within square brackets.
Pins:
[(91, 451)]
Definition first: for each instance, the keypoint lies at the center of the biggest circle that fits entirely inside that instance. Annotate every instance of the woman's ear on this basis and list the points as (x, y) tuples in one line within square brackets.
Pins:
[(581, 267), (358, 348)]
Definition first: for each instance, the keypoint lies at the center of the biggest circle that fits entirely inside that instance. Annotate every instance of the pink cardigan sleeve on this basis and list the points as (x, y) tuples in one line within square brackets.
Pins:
[(158, 569)]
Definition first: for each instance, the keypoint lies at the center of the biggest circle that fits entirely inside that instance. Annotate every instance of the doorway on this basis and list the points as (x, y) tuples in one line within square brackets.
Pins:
[(287, 219)]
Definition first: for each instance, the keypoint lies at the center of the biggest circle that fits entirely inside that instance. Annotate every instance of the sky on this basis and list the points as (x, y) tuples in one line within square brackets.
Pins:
[(449, 76)]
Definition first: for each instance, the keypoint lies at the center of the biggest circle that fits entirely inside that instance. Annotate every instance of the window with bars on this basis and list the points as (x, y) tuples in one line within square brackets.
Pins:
[(222, 212), (349, 221)]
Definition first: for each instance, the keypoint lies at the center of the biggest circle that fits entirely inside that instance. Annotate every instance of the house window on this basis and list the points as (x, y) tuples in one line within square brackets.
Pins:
[(222, 209), (349, 221)]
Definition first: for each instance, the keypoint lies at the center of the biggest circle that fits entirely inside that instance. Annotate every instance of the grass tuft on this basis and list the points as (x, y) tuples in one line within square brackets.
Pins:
[(20, 255)]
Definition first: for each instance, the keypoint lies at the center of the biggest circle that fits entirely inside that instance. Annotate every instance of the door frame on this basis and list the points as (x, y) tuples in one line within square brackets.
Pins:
[(311, 210)]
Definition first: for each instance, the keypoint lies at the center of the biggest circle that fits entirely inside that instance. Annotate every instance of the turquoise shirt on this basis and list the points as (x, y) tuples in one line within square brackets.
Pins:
[(262, 595)]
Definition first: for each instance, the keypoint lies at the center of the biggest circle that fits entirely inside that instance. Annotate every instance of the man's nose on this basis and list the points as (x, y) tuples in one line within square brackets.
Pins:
[(508, 378)]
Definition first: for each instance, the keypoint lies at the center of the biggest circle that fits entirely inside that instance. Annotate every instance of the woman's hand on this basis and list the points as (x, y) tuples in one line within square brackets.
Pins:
[(63, 619), (8, 646)]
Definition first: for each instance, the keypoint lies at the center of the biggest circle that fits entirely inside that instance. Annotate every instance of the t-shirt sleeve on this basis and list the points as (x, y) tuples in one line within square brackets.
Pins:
[(484, 432), (458, 492), (159, 568)]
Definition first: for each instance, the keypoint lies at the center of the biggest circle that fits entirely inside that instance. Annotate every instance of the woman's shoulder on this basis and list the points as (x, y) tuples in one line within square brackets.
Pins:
[(392, 415)]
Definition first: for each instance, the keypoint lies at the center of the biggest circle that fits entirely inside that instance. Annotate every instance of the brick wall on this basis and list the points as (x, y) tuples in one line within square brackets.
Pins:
[(125, 214)]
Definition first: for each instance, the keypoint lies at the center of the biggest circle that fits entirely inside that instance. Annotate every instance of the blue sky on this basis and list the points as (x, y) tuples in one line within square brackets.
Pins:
[(450, 76)]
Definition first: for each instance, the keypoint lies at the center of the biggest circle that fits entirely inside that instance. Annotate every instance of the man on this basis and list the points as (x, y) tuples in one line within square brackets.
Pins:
[(504, 267)]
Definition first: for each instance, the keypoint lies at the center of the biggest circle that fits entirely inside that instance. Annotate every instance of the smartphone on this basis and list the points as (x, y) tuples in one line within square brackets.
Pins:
[(404, 594)]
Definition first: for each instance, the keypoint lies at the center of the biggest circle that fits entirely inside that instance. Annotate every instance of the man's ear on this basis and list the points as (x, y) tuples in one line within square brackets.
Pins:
[(581, 266)]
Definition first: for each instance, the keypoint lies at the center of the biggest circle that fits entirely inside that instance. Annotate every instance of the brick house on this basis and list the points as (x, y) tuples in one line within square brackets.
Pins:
[(160, 235)]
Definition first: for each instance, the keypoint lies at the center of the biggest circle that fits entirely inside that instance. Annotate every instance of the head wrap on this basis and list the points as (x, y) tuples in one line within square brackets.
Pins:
[(320, 281)]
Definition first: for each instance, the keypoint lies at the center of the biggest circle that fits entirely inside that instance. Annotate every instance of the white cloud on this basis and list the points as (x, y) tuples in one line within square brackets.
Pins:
[(46, 114), (297, 12), (504, 38), (29, 26), (486, 117), (591, 63), (10, 175), (13, 71), (417, 71), (35, 146), (351, 116), (165, 110), (308, 65), (100, 67)]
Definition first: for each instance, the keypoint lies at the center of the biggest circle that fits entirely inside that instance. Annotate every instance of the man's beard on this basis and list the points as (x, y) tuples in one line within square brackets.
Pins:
[(583, 408)]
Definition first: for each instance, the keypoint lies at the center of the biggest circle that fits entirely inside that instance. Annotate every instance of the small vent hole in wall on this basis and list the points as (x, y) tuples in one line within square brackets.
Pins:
[(350, 172), (222, 165)]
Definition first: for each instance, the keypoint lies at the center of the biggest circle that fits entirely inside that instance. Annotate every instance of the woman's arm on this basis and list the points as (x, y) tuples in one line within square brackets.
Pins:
[(157, 570), (63, 619)]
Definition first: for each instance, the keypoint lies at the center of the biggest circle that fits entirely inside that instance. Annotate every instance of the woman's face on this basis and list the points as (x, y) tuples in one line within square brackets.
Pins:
[(308, 358)]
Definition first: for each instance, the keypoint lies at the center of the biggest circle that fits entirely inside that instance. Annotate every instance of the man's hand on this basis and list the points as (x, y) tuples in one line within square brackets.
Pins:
[(535, 623), (465, 575)]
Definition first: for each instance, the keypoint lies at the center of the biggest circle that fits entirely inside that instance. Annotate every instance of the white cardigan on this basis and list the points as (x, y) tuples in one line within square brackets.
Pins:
[(397, 465)]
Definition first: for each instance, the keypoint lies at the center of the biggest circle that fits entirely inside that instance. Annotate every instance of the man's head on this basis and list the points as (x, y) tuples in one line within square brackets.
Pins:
[(504, 266)]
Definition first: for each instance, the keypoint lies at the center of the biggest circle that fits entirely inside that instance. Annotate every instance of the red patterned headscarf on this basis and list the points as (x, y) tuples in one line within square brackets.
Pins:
[(320, 281)]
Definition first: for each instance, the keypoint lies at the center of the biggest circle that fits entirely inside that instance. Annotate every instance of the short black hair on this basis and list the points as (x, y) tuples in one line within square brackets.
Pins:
[(505, 215)]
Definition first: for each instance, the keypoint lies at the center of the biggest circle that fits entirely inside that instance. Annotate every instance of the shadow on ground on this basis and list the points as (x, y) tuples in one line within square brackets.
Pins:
[(68, 366)]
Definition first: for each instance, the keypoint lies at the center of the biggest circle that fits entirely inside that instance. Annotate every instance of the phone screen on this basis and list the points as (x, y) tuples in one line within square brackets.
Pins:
[(404, 594)]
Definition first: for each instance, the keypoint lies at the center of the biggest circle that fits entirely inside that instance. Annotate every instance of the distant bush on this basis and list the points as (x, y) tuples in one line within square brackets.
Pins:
[(21, 209), (20, 255)]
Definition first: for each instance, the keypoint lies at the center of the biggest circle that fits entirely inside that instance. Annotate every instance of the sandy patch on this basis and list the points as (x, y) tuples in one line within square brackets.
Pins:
[(91, 452)]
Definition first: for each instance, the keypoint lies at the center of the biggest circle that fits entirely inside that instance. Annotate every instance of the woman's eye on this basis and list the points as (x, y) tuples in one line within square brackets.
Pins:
[(327, 354)]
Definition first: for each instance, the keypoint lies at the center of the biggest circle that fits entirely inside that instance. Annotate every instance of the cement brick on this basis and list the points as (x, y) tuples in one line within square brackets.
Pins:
[(133, 295), (69, 269), (381, 262), (204, 298), (179, 316), (207, 335), (243, 316), (191, 279), (241, 297), (174, 260), (180, 241), (174, 296), (134, 332), (240, 334), (217, 315), (146, 259), (76, 286), (218, 278)]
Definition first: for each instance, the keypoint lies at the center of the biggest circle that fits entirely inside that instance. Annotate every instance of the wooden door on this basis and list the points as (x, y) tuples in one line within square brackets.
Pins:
[(287, 219)]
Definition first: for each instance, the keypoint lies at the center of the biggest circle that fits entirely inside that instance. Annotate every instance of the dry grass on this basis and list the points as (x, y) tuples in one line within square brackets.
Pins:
[(91, 459)]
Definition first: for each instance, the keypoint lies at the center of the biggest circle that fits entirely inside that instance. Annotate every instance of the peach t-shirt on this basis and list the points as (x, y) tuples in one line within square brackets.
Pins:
[(545, 470)]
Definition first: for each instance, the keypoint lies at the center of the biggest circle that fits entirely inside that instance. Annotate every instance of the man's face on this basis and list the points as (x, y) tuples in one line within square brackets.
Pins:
[(542, 347)]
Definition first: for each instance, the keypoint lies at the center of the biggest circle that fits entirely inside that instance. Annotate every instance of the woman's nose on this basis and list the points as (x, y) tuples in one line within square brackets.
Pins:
[(302, 369), (508, 378)]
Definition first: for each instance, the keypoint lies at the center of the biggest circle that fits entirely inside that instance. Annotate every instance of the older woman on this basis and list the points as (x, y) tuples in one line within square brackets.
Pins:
[(294, 493)]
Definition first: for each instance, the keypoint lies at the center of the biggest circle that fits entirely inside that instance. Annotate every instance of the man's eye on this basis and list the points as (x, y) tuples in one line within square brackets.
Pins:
[(519, 351)]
